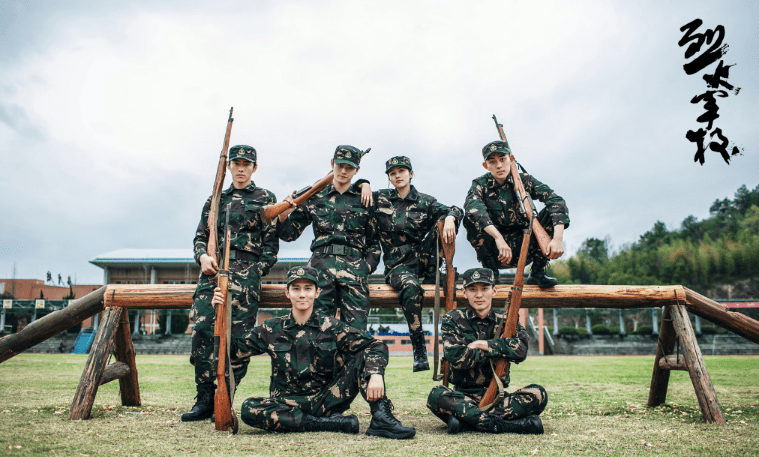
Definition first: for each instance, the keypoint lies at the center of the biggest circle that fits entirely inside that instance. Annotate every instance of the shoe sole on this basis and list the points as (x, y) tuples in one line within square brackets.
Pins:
[(394, 436)]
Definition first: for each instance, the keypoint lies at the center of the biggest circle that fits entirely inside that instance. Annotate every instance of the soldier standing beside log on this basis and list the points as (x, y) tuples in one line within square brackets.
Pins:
[(472, 340), (253, 251), (407, 224), (346, 245), (494, 223)]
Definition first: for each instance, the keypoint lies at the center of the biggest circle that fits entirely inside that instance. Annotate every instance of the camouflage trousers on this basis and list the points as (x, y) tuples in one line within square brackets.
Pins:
[(285, 413), (245, 286), (487, 252), (344, 287), (404, 278), (445, 402)]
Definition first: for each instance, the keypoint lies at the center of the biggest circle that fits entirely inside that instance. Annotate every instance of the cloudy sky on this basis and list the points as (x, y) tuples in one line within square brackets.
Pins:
[(112, 116)]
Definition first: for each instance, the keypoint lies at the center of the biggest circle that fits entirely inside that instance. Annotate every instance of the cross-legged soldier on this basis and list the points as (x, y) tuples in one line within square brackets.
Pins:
[(253, 251), (470, 345), (346, 245), (407, 224), (319, 365), (495, 226)]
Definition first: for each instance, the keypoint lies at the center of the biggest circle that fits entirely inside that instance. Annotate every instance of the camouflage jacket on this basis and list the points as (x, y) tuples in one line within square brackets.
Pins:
[(404, 222), (490, 203), (338, 219), (306, 358), (470, 369), (249, 233)]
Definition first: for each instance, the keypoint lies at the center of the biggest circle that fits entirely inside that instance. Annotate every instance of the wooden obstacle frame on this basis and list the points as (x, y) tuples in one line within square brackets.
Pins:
[(114, 334)]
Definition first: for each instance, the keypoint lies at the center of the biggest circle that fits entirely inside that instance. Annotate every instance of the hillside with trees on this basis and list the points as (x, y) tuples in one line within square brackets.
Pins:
[(708, 256)]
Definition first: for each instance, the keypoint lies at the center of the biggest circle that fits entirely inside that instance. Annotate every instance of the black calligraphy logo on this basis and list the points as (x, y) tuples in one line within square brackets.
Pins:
[(716, 84)]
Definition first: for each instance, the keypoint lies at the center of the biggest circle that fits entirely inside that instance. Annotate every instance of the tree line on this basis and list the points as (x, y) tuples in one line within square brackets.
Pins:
[(721, 249)]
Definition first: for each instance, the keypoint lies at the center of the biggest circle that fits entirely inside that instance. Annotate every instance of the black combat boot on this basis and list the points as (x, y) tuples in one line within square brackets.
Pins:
[(203, 408), (385, 424), (341, 424), (456, 425), (420, 351), (538, 276), (530, 425)]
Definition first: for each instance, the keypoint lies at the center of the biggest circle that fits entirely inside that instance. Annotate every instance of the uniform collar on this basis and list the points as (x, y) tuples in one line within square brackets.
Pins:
[(471, 314), (312, 321), (250, 188), (413, 195), (331, 189), (492, 183)]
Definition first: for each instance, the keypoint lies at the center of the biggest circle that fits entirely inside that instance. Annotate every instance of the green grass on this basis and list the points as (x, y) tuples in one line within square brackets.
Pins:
[(597, 405)]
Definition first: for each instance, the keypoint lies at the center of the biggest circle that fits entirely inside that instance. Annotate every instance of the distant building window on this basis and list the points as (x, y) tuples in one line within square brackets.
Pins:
[(405, 341), (125, 282), (179, 282)]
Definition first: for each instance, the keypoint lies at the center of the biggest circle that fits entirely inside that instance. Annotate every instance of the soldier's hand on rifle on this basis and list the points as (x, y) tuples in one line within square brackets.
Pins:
[(366, 194), (479, 344), (376, 389), (218, 297), (449, 229), (208, 265), (556, 246), (283, 215)]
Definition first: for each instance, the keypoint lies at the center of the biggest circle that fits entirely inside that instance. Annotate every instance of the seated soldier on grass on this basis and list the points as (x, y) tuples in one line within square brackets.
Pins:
[(319, 365), (470, 344)]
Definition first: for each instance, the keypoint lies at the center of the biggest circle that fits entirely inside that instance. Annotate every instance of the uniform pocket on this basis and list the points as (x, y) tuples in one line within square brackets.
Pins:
[(323, 356)]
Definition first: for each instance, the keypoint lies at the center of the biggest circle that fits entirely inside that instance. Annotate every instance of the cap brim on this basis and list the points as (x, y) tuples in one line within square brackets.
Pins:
[(480, 282), (347, 162)]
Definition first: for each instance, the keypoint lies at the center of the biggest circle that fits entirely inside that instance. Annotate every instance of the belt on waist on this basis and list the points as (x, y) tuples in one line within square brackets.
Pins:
[(339, 249), (243, 255)]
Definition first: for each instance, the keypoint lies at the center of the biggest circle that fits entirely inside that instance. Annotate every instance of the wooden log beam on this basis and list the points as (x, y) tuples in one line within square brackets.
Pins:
[(709, 309), (673, 362), (116, 370), (52, 324), (84, 397), (699, 376), (657, 393), (179, 296)]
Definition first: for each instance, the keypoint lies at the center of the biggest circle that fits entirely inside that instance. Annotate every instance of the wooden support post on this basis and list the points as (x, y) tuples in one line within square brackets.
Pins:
[(129, 386), (84, 397), (675, 326), (699, 376)]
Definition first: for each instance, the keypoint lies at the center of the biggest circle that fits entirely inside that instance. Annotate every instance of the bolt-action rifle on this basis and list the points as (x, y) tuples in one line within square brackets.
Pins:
[(513, 302), (269, 212), (449, 249), (225, 419), (213, 215), (526, 205)]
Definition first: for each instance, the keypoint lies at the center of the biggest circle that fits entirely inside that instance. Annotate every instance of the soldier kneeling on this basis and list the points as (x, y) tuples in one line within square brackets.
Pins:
[(319, 365), (470, 344)]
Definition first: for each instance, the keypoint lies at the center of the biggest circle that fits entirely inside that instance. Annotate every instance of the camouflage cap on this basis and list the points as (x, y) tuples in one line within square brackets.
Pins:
[(304, 272), (242, 151), (481, 275), (496, 146), (349, 155), (398, 161)]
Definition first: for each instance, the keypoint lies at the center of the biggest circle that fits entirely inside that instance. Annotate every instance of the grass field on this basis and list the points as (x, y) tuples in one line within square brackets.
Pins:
[(596, 406)]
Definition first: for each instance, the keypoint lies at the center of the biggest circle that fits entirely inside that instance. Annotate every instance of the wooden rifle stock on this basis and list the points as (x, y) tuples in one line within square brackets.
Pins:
[(540, 233), (449, 249), (510, 327), (213, 215), (225, 418), (272, 211)]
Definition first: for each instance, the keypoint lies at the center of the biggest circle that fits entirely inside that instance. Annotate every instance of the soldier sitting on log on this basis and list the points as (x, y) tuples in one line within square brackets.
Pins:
[(494, 223), (319, 365), (470, 344)]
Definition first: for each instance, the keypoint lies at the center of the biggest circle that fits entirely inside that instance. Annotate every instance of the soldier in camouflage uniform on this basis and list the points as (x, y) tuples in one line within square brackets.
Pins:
[(253, 251), (494, 224), (407, 224), (319, 365), (346, 246), (471, 346)]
